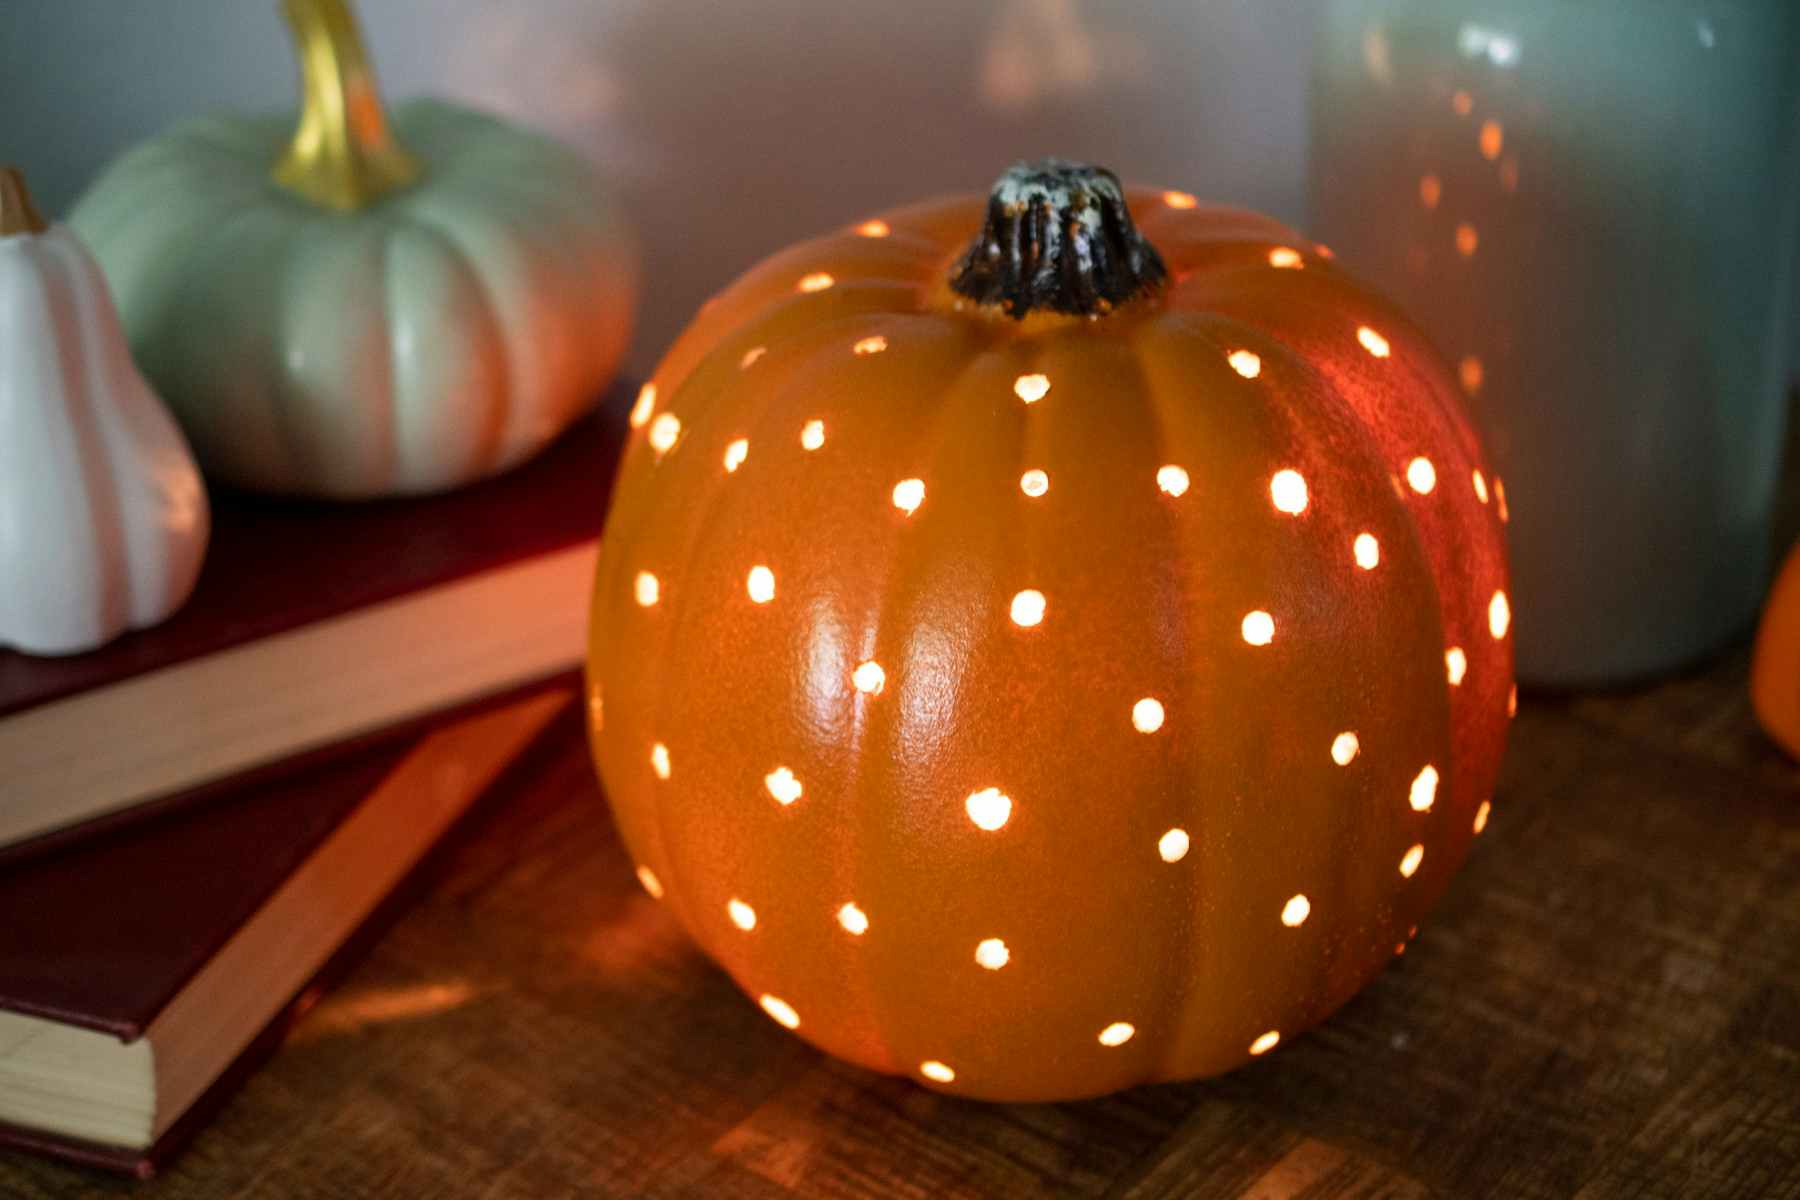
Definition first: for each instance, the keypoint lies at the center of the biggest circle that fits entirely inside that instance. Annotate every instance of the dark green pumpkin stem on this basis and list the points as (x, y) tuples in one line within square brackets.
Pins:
[(1058, 238)]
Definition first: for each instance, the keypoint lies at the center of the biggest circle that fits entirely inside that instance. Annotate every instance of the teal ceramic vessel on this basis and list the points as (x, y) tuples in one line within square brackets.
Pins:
[(1590, 206)]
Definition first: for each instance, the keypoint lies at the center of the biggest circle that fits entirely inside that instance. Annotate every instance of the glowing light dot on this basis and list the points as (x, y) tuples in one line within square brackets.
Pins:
[(869, 678), (646, 589), (1499, 615), (1173, 845), (1500, 500), (1173, 480), (1456, 665), (1470, 372), (1034, 483), (741, 914), (1431, 189), (1423, 792), (783, 786), (1462, 104), (1147, 715), (818, 281), (1367, 551), (1117, 1034), (990, 808), (1344, 748), (1480, 482), (1288, 490), (1028, 608), (736, 453), (870, 345), (1295, 911), (750, 357), (760, 583), (1411, 861), (646, 404), (1324, 251), (1467, 240), (1512, 701), (665, 431), (1031, 388), (781, 1010), (992, 953), (1179, 199), (650, 883), (1371, 341), (1259, 628), (854, 920), (1493, 137), (936, 1071), (908, 495), (874, 228), (1285, 258), (812, 435), (1265, 1043), (1421, 476), (1481, 815), (1245, 363), (659, 760)]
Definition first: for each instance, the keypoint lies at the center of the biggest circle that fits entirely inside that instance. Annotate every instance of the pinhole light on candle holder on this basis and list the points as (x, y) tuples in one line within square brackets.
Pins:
[(1079, 650)]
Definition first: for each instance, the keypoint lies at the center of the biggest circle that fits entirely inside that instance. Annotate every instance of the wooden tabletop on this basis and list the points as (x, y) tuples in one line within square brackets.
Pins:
[(1606, 1004)]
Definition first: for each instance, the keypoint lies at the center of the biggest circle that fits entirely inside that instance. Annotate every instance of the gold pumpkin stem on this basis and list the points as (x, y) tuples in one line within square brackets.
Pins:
[(17, 213), (342, 155)]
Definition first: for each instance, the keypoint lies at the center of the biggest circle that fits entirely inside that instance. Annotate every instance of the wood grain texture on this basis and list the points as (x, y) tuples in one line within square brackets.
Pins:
[(1607, 1004)]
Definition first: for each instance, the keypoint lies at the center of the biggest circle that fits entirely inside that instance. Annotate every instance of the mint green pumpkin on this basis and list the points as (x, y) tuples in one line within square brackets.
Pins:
[(330, 314)]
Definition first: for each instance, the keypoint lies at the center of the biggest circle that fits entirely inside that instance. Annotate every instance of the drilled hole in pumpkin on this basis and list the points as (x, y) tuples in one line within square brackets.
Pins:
[(1423, 792), (781, 1010), (1431, 190), (1373, 342), (870, 345), (1469, 372), (869, 678), (1344, 748), (750, 357), (1499, 615), (1245, 363), (1295, 911), (818, 281), (783, 786), (1034, 483), (665, 431), (646, 589), (908, 495), (659, 760), (1421, 476), (1028, 608), (1480, 483), (1173, 480), (1031, 388), (736, 453), (741, 914), (1179, 199), (1500, 500), (1481, 815), (760, 584), (874, 228), (1173, 845), (1467, 240), (1258, 628), (990, 808), (1265, 1043), (650, 883), (854, 920), (936, 1071), (1410, 862), (1512, 701), (1456, 665), (1147, 715), (812, 435), (1367, 551), (1117, 1034), (992, 953), (646, 404), (1492, 140), (1285, 258), (1288, 490)]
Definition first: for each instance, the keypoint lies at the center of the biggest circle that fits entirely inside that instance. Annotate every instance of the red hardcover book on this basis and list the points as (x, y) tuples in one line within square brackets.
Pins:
[(144, 971), (313, 625)]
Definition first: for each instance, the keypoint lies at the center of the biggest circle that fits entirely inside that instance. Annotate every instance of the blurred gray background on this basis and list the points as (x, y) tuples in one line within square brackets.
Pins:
[(729, 127)]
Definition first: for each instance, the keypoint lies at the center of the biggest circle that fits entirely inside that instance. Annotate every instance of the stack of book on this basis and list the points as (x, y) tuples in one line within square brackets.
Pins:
[(197, 820)]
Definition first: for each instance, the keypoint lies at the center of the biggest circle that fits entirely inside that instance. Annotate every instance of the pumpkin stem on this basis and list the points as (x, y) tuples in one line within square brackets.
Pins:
[(17, 213), (1057, 238), (342, 155)]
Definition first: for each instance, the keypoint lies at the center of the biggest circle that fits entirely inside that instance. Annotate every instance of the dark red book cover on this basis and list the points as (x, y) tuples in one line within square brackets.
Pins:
[(276, 564), (104, 934)]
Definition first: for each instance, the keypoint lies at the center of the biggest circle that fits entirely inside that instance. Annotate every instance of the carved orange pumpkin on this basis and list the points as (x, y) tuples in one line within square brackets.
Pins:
[(1036, 670)]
